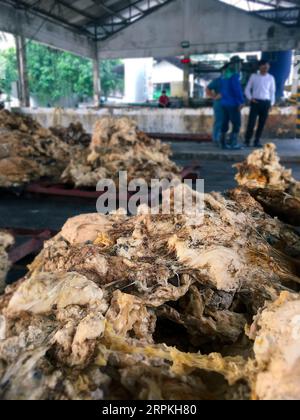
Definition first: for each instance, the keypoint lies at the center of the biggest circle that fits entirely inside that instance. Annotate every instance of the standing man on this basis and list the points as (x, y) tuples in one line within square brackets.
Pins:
[(260, 91), (214, 91), (232, 100)]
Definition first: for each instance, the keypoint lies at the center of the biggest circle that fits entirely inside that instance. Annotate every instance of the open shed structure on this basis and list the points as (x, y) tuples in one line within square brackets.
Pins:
[(102, 29)]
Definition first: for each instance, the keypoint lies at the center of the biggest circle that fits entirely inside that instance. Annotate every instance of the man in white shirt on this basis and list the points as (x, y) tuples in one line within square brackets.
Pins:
[(260, 91)]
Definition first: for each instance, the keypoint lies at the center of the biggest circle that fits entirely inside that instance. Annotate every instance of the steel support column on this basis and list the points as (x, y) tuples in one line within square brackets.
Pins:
[(97, 82), (23, 88), (298, 114), (296, 90), (186, 81)]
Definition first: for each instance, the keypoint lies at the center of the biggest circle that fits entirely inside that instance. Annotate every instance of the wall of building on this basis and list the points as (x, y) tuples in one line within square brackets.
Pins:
[(281, 123), (177, 89), (138, 80), (165, 72)]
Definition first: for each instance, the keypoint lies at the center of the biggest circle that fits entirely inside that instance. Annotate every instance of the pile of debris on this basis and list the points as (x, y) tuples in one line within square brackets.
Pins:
[(6, 240), (276, 331), (271, 184), (12, 121), (262, 169), (74, 135), (152, 307), (116, 146), (28, 151)]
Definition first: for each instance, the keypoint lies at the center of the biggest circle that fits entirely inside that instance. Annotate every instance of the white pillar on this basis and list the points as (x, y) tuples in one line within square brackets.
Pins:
[(97, 82), (296, 90), (186, 82)]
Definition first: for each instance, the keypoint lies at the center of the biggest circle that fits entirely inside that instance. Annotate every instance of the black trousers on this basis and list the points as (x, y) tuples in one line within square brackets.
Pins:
[(259, 110)]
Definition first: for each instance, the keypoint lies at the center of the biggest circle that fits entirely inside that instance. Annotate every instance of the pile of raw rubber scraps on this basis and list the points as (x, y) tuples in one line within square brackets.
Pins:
[(74, 135), (116, 146), (6, 240), (28, 152), (271, 184), (152, 307)]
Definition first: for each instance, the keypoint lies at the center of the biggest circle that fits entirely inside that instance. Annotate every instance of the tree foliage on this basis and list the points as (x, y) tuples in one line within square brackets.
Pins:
[(110, 81), (54, 74), (8, 69)]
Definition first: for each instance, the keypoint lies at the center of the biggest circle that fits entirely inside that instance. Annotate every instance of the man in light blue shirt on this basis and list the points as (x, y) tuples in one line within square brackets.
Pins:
[(214, 91)]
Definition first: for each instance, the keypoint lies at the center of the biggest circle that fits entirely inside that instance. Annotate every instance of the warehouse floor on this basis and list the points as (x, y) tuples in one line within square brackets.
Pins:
[(288, 150)]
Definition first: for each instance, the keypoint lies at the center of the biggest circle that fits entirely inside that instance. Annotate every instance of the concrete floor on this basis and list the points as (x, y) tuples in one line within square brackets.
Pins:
[(39, 212), (289, 151)]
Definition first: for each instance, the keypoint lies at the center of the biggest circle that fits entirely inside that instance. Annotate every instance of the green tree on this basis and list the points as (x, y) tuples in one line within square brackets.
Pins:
[(110, 81), (8, 69), (56, 74)]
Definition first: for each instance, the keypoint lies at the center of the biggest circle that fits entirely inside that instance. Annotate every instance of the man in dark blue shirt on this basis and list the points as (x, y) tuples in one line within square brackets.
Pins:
[(232, 102)]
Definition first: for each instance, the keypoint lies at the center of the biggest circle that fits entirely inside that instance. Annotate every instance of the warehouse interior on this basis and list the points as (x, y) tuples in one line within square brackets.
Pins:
[(141, 258)]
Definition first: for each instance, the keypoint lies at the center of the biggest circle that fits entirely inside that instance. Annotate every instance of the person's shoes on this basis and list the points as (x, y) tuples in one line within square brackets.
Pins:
[(236, 147), (247, 144), (258, 145), (234, 142), (223, 142)]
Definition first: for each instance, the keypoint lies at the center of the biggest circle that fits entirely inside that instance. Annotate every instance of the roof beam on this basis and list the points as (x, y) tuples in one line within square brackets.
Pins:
[(75, 9), (119, 26), (32, 25), (47, 15), (284, 16), (109, 10)]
